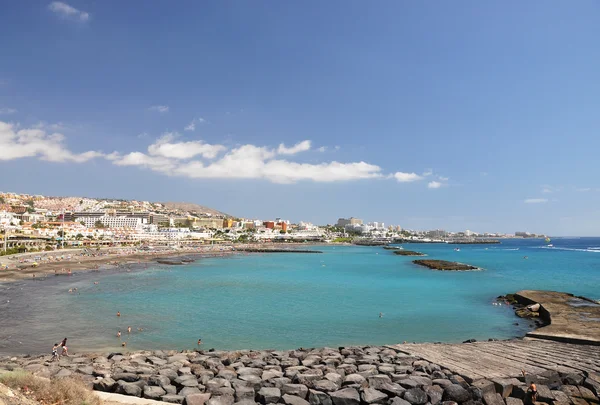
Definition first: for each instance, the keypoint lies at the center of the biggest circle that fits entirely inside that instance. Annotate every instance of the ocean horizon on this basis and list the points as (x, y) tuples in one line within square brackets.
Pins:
[(285, 301)]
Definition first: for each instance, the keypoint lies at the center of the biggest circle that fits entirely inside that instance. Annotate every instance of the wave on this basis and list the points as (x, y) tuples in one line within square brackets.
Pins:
[(510, 249), (593, 250)]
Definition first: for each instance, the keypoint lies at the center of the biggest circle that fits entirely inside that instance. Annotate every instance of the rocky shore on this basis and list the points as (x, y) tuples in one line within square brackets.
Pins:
[(445, 265), (408, 253), (327, 376)]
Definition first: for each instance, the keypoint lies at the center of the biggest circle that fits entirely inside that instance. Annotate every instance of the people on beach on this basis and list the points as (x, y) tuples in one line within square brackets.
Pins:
[(118, 313), (63, 344), (55, 355), (129, 329), (532, 393), (119, 334)]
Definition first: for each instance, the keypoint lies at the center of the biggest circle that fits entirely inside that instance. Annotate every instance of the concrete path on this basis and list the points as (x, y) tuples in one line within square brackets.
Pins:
[(505, 359)]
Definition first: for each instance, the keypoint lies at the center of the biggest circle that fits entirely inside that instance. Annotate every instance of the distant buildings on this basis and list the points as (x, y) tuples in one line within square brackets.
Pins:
[(342, 222)]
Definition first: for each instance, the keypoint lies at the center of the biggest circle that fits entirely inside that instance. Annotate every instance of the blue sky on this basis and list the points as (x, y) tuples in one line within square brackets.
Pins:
[(456, 115)]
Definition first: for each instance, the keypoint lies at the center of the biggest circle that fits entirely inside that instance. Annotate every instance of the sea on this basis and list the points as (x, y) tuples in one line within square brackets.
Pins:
[(348, 295)]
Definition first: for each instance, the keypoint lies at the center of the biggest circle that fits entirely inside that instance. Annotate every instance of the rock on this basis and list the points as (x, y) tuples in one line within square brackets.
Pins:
[(456, 393), (372, 396), (159, 380), (62, 373), (377, 381), (250, 370), (106, 384), (217, 383), (227, 374), (156, 361), (445, 383), (318, 398), (221, 400), (571, 390), (592, 385), (587, 394), (354, 379), (270, 374), (189, 391), (391, 390), (184, 370), (421, 381), (408, 383), (126, 388), (172, 399), (151, 392), (335, 378), (294, 400), (519, 391), (435, 393), (325, 385), (269, 395), (573, 379), (127, 377), (416, 396), (170, 389), (544, 394), (168, 372), (513, 401), (504, 386), (197, 399), (244, 393), (346, 396), (88, 370), (449, 403), (560, 396), (578, 401), (298, 390), (485, 386), (456, 379), (281, 381), (494, 398), (398, 401)]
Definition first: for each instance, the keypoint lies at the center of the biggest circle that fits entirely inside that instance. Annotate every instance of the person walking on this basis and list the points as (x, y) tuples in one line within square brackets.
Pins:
[(65, 350)]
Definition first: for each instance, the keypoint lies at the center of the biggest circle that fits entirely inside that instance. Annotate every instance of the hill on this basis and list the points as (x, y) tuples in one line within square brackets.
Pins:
[(190, 207)]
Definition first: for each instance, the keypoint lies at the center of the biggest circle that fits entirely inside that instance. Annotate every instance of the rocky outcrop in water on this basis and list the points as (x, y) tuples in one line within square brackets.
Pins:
[(408, 253), (445, 265), (343, 376)]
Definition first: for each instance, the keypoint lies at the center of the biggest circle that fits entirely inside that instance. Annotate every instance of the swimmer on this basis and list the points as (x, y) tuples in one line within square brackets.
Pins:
[(124, 344), (199, 342), (95, 282), (129, 329), (118, 313), (119, 334), (381, 314), (70, 290)]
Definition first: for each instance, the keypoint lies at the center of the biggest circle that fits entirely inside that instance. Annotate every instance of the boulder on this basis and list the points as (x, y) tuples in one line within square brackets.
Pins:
[(560, 397), (391, 390), (408, 383), (318, 398), (573, 379), (173, 399), (188, 391), (325, 385), (244, 393), (250, 370), (170, 389), (346, 396), (456, 379), (159, 380), (421, 380), (435, 393), (156, 361), (335, 378), (587, 394), (270, 374), (416, 396), (62, 373), (197, 399), (372, 396), (445, 383), (494, 398), (377, 381), (456, 393), (544, 394), (106, 384), (398, 401), (269, 395), (485, 386), (151, 392), (221, 400), (88, 370), (168, 372), (126, 388), (592, 385), (513, 401), (354, 379), (294, 400), (298, 390), (504, 386)]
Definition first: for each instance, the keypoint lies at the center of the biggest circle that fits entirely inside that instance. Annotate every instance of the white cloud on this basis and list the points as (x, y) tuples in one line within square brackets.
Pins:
[(536, 200), (183, 150), (434, 184), (201, 120), (67, 11), (35, 142), (191, 126), (407, 177), (322, 149), (7, 111), (297, 148), (159, 108), (428, 172), (583, 189), (444, 178), (550, 189)]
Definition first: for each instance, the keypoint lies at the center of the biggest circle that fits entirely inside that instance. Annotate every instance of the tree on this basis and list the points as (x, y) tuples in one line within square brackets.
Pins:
[(21, 222), (2, 200), (82, 223), (79, 236), (61, 233), (98, 224)]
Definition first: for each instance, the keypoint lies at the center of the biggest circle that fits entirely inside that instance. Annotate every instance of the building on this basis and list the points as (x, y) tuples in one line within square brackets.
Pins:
[(269, 224), (342, 222), (157, 219), (284, 226), (110, 221), (227, 223)]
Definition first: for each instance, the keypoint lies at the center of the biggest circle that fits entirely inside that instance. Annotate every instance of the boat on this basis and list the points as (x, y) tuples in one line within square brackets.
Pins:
[(550, 245), (456, 249), (547, 240)]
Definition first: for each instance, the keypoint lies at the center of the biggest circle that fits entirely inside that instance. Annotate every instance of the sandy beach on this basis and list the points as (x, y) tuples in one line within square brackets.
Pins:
[(21, 266)]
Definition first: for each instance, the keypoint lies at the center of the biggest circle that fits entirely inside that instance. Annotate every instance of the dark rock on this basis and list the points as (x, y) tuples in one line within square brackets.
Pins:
[(126, 388), (416, 396), (544, 394), (519, 391), (504, 386), (408, 383), (346, 396), (456, 393), (573, 379), (592, 385), (197, 399), (170, 389), (325, 385), (476, 393), (485, 386), (398, 401), (318, 398), (294, 400), (151, 392), (391, 390), (172, 399), (435, 393), (106, 384), (268, 395), (298, 390), (372, 396), (438, 375), (456, 379), (445, 383)]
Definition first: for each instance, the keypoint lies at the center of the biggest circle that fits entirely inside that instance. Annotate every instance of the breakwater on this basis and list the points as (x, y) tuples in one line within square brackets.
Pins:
[(326, 376)]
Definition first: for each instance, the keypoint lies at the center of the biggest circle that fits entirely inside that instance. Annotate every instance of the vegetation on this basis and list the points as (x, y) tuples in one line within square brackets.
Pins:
[(12, 251), (65, 391), (98, 224), (2, 200), (342, 240)]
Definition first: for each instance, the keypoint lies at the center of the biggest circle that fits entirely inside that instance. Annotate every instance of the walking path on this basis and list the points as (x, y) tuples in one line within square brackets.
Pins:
[(504, 359)]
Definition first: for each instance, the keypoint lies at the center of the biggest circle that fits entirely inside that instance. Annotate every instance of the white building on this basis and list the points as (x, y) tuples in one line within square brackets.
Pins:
[(111, 221)]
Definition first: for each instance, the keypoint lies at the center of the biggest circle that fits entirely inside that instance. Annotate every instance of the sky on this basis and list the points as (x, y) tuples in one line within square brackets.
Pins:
[(453, 115)]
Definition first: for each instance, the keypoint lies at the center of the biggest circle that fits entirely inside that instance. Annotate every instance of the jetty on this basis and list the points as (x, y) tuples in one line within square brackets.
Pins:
[(445, 265)]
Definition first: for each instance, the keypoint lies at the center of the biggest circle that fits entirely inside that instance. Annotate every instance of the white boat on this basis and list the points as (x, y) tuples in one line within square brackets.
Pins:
[(456, 249), (550, 245)]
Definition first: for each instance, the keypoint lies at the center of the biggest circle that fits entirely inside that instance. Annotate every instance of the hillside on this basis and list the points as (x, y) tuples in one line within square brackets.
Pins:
[(190, 207)]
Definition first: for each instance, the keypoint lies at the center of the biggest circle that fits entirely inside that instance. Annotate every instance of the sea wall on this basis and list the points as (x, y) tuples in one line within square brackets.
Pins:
[(326, 376)]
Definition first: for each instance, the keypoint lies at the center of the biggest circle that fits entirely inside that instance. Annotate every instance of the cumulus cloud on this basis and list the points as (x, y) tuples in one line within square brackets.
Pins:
[(434, 184), (191, 126), (407, 177), (322, 149), (67, 11), (35, 142), (297, 148), (183, 150), (159, 108), (7, 111), (536, 200)]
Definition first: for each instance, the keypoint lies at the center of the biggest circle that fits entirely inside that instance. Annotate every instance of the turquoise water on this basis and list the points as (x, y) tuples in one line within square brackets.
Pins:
[(285, 301)]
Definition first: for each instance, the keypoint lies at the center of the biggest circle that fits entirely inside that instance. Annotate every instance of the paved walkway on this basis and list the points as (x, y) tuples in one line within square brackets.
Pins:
[(505, 359)]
